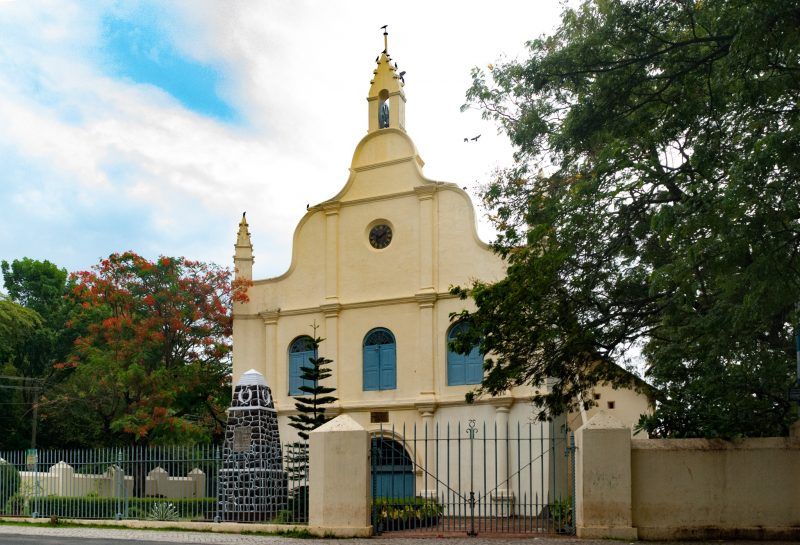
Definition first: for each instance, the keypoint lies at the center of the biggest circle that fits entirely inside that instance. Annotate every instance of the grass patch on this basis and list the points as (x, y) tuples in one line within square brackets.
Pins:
[(298, 534)]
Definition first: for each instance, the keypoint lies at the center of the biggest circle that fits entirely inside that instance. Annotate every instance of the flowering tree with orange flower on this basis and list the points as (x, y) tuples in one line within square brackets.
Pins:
[(151, 363)]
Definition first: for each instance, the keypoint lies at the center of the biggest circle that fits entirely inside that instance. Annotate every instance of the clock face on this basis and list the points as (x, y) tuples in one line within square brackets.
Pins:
[(380, 236)]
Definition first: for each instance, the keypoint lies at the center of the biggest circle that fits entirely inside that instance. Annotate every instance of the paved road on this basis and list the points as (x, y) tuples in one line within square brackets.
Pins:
[(37, 535)]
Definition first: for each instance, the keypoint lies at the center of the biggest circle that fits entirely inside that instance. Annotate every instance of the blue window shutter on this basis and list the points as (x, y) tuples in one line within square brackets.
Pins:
[(371, 367), (295, 361), (388, 367), (463, 368), (455, 369), (474, 367)]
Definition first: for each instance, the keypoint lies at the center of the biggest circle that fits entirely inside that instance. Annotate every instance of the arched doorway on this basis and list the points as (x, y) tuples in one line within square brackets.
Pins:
[(392, 469)]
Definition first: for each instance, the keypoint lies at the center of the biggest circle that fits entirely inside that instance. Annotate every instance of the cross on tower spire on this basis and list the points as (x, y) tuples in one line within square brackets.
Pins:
[(386, 98)]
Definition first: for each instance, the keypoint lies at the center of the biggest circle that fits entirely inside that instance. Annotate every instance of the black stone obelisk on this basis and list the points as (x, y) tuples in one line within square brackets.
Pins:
[(252, 483)]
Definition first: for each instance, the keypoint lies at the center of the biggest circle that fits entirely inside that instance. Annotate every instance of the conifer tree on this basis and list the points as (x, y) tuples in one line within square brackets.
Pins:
[(311, 405), (312, 416)]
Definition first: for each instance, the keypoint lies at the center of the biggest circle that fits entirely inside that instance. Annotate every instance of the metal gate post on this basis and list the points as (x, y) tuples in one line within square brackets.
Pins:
[(572, 448), (119, 483), (471, 431)]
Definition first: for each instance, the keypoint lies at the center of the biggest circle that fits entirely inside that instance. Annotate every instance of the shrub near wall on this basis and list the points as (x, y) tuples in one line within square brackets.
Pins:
[(9, 482), (107, 508), (406, 513)]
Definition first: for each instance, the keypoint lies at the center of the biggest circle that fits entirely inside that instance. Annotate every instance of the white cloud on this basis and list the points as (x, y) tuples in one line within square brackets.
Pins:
[(298, 72)]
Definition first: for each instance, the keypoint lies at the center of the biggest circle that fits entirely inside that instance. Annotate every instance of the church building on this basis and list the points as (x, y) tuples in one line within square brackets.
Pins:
[(372, 267)]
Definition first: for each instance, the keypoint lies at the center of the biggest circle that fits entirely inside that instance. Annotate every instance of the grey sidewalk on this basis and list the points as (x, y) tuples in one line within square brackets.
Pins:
[(7, 533)]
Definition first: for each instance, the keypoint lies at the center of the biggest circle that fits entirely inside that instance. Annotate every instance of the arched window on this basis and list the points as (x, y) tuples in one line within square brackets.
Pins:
[(383, 109), (380, 360), (300, 351), (392, 469), (463, 368)]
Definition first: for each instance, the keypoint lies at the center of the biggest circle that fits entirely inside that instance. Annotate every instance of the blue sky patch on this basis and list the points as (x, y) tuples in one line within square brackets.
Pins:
[(140, 49)]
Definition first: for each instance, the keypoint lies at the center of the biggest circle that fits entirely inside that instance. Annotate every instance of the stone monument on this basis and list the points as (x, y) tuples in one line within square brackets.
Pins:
[(252, 483)]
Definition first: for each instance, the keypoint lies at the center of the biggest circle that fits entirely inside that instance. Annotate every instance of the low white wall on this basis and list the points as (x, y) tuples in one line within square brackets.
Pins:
[(61, 480), (159, 483)]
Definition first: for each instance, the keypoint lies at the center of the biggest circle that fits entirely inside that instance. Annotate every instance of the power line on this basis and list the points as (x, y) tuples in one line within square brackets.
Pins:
[(27, 379), (12, 387)]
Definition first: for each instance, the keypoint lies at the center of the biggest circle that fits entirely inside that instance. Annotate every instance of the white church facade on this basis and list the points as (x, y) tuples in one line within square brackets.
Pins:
[(372, 267)]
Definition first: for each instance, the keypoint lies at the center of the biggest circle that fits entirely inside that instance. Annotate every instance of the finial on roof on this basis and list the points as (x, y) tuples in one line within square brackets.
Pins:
[(385, 38), (243, 237)]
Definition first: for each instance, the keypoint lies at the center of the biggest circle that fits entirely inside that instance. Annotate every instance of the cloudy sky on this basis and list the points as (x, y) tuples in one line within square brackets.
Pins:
[(151, 126)]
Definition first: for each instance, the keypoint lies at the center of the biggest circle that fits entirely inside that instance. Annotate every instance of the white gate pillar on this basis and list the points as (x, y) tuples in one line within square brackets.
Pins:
[(339, 478), (603, 479)]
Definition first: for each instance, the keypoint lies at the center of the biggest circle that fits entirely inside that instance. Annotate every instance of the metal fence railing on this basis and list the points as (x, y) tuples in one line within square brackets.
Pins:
[(156, 483), (473, 478), (295, 462)]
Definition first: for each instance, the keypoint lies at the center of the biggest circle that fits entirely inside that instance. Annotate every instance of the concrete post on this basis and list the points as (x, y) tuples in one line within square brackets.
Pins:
[(603, 479), (339, 477)]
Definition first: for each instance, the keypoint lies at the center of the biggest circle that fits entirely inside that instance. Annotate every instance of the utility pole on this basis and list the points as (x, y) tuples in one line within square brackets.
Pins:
[(36, 391), (30, 384)]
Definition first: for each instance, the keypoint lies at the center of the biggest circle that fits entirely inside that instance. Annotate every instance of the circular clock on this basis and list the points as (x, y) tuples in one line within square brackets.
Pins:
[(380, 236)]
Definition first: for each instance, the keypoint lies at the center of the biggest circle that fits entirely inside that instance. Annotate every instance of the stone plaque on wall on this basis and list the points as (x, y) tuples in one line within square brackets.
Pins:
[(242, 438)]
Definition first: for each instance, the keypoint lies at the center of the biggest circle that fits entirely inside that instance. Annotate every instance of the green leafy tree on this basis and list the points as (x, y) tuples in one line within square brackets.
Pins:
[(18, 325), (39, 287), (653, 206)]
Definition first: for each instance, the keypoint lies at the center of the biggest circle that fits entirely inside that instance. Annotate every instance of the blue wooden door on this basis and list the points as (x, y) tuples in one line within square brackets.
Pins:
[(392, 469)]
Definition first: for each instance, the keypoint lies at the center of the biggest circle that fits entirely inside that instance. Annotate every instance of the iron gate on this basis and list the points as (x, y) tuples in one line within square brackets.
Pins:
[(474, 478)]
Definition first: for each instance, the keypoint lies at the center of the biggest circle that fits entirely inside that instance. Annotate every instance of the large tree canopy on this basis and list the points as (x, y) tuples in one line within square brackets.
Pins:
[(151, 362), (40, 286), (654, 205), (35, 288)]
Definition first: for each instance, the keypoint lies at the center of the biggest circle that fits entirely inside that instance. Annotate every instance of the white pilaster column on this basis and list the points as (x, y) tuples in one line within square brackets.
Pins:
[(271, 363), (330, 346), (427, 482), (504, 497), (426, 358), (331, 252), (501, 424), (426, 295), (426, 237)]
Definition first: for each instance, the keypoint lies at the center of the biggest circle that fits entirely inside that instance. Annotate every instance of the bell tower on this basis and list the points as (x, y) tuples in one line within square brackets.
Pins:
[(386, 99)]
